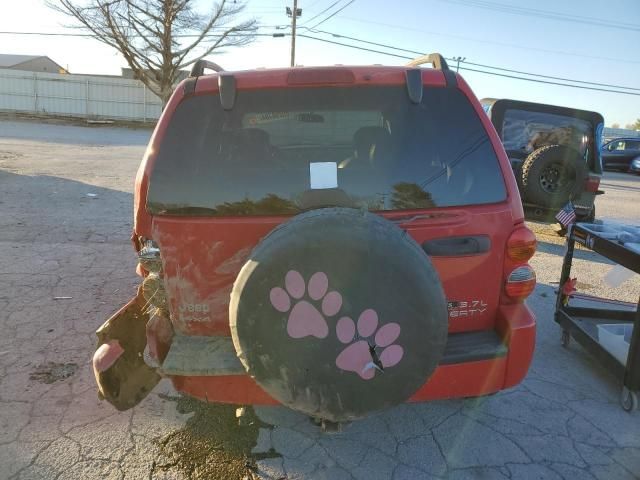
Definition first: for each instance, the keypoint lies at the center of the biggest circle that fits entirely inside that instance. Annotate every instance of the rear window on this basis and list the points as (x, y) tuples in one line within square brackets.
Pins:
[(283, 151), (527, 130)]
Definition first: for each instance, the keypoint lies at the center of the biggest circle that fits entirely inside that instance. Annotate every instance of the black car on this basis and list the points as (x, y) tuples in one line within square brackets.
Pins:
[(554, 152), (619, 154)]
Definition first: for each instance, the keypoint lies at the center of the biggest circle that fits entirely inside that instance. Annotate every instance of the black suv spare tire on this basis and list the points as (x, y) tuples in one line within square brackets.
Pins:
[(552, 175), (339, 313)]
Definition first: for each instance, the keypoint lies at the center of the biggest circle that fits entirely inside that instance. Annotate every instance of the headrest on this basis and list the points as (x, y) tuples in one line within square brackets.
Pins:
[(254, 136), (370, 142)]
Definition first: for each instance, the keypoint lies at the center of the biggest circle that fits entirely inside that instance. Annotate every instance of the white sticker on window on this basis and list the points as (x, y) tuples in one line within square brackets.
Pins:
[(323, 175)]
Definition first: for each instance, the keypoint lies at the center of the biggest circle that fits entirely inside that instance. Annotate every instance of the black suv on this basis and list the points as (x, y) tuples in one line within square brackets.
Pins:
[(554, 152)]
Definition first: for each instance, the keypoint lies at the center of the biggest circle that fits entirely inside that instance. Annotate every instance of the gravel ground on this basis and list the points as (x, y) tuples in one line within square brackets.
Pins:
[(563, 422)]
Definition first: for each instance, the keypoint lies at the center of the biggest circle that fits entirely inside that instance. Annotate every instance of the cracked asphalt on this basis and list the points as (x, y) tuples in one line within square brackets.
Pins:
[(66, 264)]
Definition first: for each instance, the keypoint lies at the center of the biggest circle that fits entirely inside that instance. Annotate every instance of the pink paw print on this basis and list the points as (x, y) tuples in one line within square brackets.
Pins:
[(365, 357), (305, 318)]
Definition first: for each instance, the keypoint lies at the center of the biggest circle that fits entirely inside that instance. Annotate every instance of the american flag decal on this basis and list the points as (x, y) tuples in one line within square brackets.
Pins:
[(567, 215)]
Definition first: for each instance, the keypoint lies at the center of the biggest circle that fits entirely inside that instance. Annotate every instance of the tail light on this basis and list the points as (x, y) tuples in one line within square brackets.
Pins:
[(153, 285), (520, 278), (520, 282), (149, 257), (592, 184), (521, 245)]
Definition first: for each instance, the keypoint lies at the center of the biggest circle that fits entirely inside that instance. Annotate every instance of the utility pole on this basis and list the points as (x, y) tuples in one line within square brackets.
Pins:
[(458, 60), (294, 14)]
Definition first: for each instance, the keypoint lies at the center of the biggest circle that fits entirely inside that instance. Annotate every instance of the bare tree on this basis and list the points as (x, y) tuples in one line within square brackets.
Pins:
[(159, 37)]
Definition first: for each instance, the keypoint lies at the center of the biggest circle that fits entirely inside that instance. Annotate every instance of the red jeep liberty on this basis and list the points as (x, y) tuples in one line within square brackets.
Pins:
[(337, 240)]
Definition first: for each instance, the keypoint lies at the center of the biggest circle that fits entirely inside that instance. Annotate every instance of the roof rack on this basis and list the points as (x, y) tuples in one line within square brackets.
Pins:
[(226, 82), (435, 59), (414, 80), (200, 65)]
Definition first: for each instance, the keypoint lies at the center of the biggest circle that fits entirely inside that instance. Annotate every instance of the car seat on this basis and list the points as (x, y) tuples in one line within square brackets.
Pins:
[(252, 147), (372, 147)]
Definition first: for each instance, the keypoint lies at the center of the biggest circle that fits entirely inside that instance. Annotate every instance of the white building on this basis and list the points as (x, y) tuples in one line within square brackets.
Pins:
[(30, 63)]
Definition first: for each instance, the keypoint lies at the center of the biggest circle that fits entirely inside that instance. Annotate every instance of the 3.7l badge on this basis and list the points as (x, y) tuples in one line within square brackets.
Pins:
[(465, 308)]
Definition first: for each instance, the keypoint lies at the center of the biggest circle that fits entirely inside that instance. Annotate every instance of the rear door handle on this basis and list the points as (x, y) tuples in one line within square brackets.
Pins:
[(457, 246)]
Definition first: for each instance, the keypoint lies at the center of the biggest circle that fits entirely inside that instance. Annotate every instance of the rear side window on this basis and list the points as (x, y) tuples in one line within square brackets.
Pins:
[(283, 151)]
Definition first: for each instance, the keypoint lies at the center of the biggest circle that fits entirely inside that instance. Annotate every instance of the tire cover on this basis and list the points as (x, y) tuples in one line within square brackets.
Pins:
[(318, 293), (569, 158)]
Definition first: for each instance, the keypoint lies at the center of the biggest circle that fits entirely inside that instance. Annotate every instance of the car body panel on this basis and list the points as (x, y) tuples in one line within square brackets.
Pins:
[(200, 267)]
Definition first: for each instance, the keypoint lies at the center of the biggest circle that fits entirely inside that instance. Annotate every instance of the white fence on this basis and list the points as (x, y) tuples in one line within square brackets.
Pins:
[(610, 133), (86, 96)]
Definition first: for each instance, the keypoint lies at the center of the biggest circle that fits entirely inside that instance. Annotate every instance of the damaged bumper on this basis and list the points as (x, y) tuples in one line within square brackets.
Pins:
[(122, 375)]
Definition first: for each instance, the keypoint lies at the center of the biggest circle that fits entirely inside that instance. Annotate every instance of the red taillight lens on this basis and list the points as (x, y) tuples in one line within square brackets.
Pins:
[(592, 184), (520, 282), (521, 245)]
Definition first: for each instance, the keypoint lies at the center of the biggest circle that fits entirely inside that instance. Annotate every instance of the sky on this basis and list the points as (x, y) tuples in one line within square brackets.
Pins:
[(586, 40)]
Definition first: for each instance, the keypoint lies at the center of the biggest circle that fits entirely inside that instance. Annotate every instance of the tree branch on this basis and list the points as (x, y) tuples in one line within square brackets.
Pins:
[(151, 34)]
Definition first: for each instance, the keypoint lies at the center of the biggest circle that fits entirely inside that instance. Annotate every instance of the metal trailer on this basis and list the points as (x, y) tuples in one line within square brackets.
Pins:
[(580, 315)]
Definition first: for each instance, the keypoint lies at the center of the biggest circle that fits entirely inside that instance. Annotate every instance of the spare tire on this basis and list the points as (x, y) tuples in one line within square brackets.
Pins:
[(552, 175), (338, 313)]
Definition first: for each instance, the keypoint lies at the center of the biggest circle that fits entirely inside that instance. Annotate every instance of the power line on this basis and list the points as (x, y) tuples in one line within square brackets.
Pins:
[(337, 35), (548, 82), (489, 42), (552, 77), (333, 14), (328, 8), (474, 70), (354, 46), (584, 87), (533, 12)]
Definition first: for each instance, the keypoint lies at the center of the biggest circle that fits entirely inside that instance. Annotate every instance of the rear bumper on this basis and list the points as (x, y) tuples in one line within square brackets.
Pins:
[(474, 363)]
